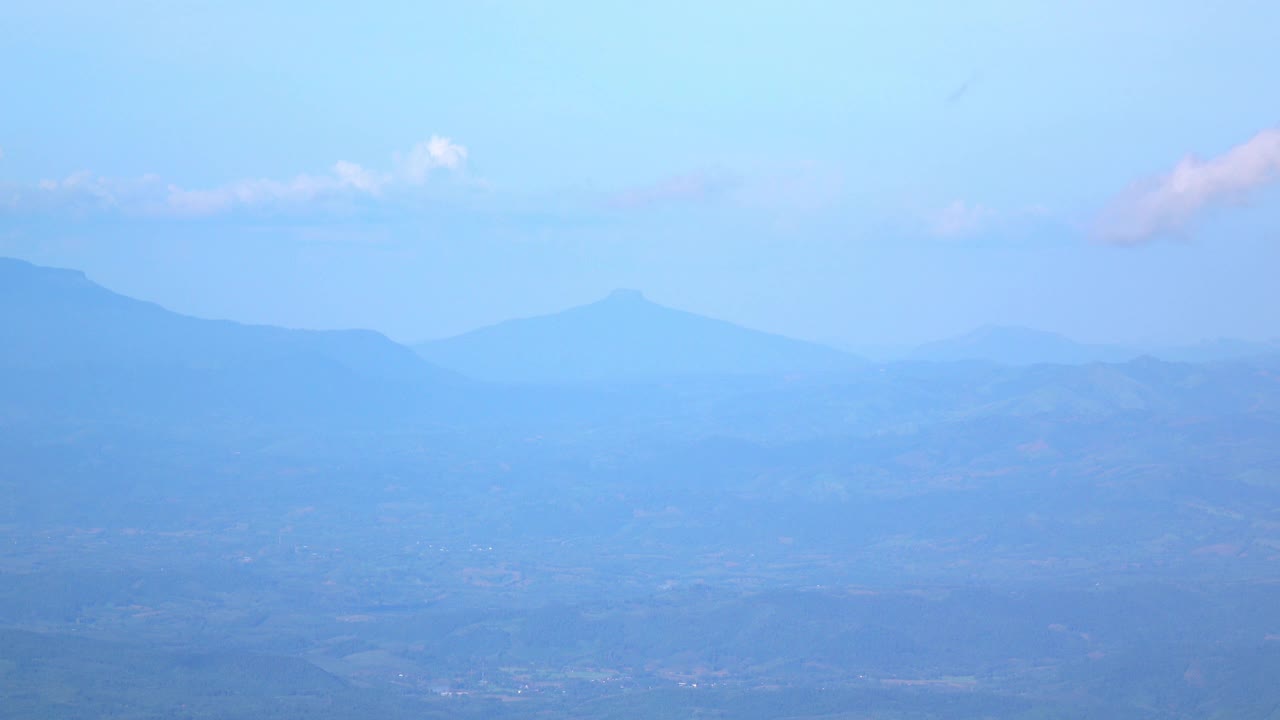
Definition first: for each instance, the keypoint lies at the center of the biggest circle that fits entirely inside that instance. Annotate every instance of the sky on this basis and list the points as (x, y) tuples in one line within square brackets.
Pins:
[(864, 174)]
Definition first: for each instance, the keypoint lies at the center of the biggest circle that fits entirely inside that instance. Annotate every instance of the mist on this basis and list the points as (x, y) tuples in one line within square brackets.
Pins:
[(573, 361)]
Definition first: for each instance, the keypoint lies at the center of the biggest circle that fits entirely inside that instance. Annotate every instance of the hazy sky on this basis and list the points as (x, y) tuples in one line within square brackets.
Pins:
[(851, 172)]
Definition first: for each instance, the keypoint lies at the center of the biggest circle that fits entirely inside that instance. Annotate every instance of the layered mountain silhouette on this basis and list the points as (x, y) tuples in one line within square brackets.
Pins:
[(625, 338), (1012, 345), (70, 348), (78, 343), (1218, 349)]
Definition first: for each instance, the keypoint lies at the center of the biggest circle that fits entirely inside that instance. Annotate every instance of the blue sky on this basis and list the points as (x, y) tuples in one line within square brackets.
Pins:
[(851, 172)]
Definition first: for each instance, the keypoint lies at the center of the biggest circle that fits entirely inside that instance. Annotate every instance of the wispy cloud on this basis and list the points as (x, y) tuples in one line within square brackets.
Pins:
[(438, 152), (692, 187), (354, 176), (150, 196), (1168, 204), (344, 177), (961, 219), (804, 187), (84, 191)]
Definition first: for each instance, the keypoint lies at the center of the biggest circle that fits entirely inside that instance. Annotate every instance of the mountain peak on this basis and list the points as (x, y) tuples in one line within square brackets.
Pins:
[(626, 295), (625, 338)]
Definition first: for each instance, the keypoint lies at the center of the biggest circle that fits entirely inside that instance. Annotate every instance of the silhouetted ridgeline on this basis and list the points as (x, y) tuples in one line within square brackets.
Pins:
[(626, 338)]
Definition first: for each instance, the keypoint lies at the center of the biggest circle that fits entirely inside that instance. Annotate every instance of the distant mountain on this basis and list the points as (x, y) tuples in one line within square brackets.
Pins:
[(625, 337), (65, 336), (1217, 350), (1010, 345)]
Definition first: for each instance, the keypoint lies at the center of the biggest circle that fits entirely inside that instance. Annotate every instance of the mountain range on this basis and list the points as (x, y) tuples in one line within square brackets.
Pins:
[(1013, 345), (54, 319)]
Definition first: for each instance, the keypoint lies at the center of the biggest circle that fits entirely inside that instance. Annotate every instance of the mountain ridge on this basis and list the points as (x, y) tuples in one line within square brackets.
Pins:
[(1019, 345), (69, 343), (624, 337)]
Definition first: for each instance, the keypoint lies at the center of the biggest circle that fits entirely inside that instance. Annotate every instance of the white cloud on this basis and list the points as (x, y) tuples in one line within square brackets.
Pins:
[(1169, 203), (438, 152), (961, 219), (352, 175), (83, 190), (149, 196), (244, 193)]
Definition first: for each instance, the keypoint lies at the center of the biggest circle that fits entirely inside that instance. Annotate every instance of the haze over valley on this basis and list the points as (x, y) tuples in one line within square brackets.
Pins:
[(604, 361), (765, 520)]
